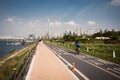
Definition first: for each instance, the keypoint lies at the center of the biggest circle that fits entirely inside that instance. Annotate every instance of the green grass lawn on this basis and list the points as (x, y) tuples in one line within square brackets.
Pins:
[(101, 50)]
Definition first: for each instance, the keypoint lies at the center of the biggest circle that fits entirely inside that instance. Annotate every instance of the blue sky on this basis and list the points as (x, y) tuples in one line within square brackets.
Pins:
[(20, 18)]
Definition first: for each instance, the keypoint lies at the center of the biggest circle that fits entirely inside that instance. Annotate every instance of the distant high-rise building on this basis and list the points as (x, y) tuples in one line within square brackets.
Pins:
[(46, 36), (78, 32), (32, 36)]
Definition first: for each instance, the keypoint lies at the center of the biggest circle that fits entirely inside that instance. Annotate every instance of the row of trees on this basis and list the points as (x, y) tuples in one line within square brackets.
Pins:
[(114, 36)]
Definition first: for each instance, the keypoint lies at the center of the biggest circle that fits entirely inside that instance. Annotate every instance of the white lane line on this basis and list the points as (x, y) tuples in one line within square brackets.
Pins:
[(30, 69), (104, 62), (118, 69), (86, 78), (80, 73), (66, 66), (65, 53), (113, 70), (76, 78), (95, 62), (98, 67)]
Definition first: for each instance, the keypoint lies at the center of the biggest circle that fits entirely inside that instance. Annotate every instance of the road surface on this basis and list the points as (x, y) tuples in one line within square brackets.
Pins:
[(87, 67)]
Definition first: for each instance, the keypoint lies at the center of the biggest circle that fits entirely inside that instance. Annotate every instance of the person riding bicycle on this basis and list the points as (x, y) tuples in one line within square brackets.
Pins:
[(77, 45)]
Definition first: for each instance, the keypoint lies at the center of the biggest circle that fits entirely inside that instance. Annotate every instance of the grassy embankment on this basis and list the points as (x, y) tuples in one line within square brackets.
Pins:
[(97, 49), (8, 65)]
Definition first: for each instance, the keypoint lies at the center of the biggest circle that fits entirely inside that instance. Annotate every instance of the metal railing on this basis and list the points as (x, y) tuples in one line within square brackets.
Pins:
[(20, 71)]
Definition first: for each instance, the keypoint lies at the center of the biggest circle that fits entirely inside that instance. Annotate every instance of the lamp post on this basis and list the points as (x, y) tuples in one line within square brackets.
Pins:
[(48, 28)]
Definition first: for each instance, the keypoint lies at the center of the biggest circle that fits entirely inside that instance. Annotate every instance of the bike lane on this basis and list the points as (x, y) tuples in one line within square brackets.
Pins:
[(46, 66)]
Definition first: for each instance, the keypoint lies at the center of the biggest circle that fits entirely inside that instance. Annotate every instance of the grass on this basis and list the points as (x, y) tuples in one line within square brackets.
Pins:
[(101, 50), (7, 67)]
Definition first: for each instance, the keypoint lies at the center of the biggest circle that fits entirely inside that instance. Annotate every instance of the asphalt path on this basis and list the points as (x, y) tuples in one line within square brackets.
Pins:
[(87, 67)]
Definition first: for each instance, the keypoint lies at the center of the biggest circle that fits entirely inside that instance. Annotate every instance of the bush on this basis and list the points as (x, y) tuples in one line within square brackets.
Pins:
[(111, 41), (12, 50)]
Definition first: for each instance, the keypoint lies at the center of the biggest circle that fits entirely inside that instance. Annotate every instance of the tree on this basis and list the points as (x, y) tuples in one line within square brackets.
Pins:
[(99, 34), (69, 37), (112, 34)]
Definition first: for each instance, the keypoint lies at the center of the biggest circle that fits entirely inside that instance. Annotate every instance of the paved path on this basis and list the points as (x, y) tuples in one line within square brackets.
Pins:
[(46, 66)]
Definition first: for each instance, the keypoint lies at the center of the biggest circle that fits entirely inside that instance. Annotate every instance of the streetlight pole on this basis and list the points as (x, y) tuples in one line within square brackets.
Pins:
[(48, 28)]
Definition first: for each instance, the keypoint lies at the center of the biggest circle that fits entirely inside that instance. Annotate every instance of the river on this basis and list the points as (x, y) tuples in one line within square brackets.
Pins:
[(8, 45)]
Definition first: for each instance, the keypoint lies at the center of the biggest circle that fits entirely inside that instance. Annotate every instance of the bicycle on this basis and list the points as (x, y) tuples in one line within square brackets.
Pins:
[(77, 50)]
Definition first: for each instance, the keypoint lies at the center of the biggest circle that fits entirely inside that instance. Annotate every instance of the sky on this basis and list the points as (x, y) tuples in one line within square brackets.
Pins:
[(19, 18)]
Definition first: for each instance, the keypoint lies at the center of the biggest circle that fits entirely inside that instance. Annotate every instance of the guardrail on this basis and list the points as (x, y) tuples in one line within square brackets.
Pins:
[(20, 71)]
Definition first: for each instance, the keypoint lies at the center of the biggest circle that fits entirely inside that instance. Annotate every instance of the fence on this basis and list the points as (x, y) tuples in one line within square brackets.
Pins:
[(20, 71)]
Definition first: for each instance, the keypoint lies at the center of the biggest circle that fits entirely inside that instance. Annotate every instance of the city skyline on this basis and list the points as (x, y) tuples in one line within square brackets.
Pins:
[(20, 18)]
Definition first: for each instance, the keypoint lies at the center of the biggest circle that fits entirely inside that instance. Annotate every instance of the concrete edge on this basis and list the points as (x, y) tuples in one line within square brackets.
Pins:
[(30, 69)]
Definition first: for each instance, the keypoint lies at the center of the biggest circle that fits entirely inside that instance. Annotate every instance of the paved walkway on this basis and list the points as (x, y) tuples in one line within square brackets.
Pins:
[(46, 66)]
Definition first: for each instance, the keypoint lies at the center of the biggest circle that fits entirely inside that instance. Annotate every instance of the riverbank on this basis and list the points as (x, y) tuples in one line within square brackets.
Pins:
[(8, 62), (8, 46)]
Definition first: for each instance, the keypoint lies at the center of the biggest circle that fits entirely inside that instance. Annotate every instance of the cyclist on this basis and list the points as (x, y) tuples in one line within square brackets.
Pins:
[(77, 46)]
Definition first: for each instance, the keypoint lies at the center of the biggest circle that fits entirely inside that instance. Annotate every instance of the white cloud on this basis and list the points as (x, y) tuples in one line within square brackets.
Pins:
[(91, 22), (71, 23), (23, 22), (7, 37), (11, 20), (56, 24), (31, 23), (14, 20), (115, 2), (21, 26)]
